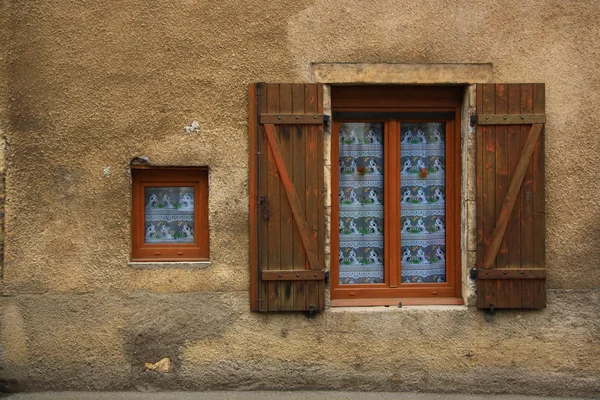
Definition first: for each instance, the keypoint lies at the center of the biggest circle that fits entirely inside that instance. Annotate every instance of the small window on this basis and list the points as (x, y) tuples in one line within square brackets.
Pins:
[(396, 213), (170, 214)]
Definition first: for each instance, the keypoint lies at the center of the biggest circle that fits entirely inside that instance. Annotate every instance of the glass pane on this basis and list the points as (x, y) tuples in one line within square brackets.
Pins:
[(361, 202), (169, 214), (423, 160)]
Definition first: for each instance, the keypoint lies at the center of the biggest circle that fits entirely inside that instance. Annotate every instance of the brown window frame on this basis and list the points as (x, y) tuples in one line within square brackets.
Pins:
[(197, 177), (400, 99)]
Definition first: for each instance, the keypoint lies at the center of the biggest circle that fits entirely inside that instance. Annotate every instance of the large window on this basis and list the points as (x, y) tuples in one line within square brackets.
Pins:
[(395, 214)]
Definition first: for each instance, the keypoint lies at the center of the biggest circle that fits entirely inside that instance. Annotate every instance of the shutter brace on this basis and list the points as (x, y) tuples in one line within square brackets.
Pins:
[(510, 119), (292, 119)]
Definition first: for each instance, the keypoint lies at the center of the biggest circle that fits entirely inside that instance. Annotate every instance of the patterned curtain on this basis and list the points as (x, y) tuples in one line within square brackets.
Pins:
[(423, 204), (169, 214), (361, 202), (361, 209)]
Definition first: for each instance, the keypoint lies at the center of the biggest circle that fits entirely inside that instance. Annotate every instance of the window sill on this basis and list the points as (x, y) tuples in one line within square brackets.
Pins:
[(170, 264), (411, 301)]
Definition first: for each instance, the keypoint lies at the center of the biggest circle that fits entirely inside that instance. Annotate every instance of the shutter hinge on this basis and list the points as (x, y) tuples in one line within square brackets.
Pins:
[(473, 119), (326, 120), (326, 276), (473, 273), (263, 202)]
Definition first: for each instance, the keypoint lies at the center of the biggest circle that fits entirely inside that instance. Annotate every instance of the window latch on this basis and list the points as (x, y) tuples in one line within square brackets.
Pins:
[(264, 207)]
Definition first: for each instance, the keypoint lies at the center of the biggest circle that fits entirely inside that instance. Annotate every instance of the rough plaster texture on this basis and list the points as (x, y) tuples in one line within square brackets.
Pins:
[(87, 86)]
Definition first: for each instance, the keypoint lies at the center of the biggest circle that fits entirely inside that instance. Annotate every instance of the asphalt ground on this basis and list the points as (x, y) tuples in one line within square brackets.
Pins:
[(264, 395)]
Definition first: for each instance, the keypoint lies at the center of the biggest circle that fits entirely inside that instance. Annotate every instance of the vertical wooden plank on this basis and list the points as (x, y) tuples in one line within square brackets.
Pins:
[(526, 200), (501, 107), (312, 184), (264, 192), (489, 183), (513, 231), (287, 224), (527, 299), (539, 293), (298, 176), (253, 190), (274, 222)]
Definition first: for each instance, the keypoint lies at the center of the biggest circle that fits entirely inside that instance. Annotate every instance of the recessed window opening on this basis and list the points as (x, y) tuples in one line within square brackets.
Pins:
[(396, 202)]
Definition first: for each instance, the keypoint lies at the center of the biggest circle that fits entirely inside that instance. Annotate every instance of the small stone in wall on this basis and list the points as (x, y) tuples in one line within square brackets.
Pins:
[(163, 365), (107, 171), (193, 127)]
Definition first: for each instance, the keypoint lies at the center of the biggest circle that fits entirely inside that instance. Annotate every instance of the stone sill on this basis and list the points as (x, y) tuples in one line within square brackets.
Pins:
[(381, 309), (170, 265)]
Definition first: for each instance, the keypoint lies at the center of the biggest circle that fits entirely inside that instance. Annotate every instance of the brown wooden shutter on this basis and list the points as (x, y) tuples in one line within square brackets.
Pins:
[(286, 197), (510, 196)]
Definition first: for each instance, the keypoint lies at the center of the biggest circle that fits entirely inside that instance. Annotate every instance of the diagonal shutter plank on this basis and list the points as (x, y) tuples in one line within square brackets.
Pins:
[(308, 241), (511, 196)]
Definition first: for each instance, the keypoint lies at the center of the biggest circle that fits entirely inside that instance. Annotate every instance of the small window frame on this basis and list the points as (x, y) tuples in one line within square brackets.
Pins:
[(401, 99), (145, 176)]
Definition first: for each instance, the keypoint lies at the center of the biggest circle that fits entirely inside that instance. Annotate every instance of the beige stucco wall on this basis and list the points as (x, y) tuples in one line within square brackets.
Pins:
[(87, 86)]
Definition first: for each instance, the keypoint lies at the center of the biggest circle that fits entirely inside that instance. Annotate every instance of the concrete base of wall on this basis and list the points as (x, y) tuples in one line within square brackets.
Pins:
[(102, 341)]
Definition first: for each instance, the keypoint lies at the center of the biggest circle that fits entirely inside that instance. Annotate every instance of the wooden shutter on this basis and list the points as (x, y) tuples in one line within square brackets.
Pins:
[(286, 197), (510, 196)]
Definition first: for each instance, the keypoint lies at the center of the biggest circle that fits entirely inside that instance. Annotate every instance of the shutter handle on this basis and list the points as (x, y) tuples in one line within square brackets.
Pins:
[(264, 207), (528, 198)]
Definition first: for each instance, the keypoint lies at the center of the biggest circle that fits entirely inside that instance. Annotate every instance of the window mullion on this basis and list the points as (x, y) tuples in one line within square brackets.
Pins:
[(392, 187)]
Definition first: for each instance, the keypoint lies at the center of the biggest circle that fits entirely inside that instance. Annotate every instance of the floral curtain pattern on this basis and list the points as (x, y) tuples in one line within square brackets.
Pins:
[(361, 203), (169, 214), (423, 202)]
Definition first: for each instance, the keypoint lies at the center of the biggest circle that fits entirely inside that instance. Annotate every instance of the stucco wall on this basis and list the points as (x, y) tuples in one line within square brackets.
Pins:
[(88, 86)]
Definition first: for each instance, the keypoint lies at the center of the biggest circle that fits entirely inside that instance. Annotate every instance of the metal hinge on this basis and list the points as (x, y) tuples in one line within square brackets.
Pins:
[(263, 202), (473, 273), (473, 119)]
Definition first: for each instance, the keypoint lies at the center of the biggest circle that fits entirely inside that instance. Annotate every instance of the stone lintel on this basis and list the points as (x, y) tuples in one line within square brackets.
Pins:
[(367, 73)]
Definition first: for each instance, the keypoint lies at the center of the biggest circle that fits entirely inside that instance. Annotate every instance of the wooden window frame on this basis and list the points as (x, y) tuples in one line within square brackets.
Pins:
[(400, 99), (197, 177)]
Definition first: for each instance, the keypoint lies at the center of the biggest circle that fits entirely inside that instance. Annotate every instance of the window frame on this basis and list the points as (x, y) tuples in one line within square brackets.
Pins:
[(400, 99), (144, 176)]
